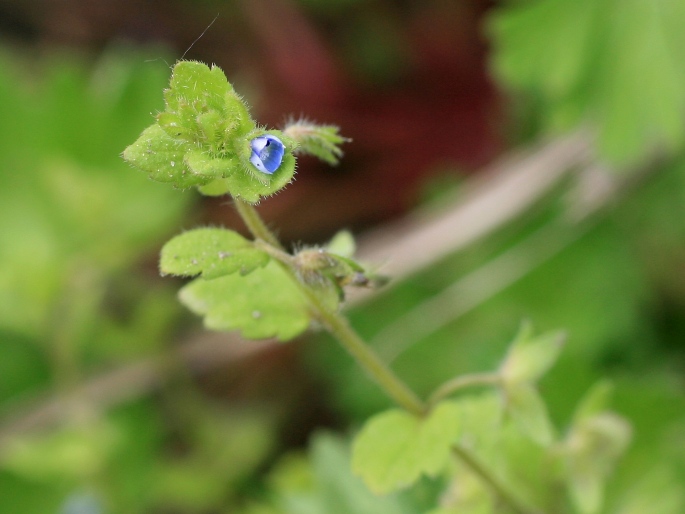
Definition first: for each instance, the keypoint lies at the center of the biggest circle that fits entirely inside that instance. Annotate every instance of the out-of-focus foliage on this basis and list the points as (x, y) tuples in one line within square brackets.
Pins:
[(613, 286), (75, 224), (71, 212), (617, 65)]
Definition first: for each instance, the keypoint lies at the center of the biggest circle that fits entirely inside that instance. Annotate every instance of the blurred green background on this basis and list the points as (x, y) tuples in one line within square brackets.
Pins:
[(114, 400)]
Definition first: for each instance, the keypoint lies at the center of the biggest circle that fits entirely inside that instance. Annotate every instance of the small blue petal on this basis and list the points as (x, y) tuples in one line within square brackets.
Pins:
[(267, 153)]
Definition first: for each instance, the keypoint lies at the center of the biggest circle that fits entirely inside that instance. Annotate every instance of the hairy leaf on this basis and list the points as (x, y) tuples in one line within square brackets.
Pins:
[(210, 252), (266, 303)]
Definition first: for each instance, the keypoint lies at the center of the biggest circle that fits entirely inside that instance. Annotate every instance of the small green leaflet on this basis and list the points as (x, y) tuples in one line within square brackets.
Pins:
[(529, 357), (529, 412), (266, 303), (163, 158), (395, 447), (212, 253)]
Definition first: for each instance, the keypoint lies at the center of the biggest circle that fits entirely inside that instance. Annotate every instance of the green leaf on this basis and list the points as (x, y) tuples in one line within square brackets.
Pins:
[(528, 411), (211, 252), (342, 244), (595, 401), (203, 164), (195, 81), (266, 303), (594, 444), (343, 492), (324, 483), (531, 357), (163, 158), (617, 65), (217, 187), (395, 447), (204, 137)]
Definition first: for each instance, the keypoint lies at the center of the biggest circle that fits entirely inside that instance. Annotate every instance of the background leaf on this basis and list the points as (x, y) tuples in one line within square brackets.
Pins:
[(616, 65)]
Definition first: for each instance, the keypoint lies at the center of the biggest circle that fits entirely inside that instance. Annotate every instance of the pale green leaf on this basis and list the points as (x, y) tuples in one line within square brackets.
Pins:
[(618, 66), (395, 447), (211, 252), (531, 357), (593, 445), (266, 303), (586, 488), (595, 401), (341, 491), (529, 412), (342, 244)]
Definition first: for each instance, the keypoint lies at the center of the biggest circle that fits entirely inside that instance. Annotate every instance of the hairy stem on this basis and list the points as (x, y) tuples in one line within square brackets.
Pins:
[(338, 326), (393, 386)]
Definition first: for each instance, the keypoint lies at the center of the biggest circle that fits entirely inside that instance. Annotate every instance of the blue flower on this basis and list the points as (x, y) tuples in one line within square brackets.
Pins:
[(267, 153)]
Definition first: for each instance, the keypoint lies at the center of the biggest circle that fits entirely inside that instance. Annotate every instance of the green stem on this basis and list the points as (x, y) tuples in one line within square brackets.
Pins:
[(336, 324), (340, 328), (378, 370), (492, 481), (255, 224), (462, 382)]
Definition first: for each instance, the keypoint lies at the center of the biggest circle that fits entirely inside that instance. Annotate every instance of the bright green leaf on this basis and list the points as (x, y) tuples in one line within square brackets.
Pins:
[(193, 81), (163, 158), (211, 252), (266, 303), (217, 187), (201, 163), (395, 447)]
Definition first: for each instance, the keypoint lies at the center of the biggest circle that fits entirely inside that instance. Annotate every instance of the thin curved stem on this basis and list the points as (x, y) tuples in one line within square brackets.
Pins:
[(462, 382)]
